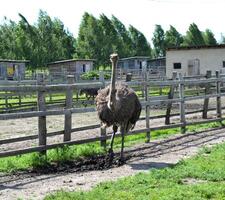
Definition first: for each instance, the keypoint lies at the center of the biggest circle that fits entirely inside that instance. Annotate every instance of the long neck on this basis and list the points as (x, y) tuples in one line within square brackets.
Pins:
[(112, 94)]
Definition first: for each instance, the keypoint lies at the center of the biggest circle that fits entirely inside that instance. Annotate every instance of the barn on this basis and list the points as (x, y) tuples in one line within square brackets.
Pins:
[(195, 60), (12, 69), (133, 63), (72, 66), (155, 66)]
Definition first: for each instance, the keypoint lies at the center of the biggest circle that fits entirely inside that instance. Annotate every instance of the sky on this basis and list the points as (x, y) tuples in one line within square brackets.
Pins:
[(142, 14)]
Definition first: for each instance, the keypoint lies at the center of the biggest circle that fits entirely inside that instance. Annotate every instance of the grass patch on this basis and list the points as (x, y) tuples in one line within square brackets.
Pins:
[(22, 162), (59, 155), (165, 184)]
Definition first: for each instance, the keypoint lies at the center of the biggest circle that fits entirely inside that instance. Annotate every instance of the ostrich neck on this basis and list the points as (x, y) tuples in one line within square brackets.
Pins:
[(112, 95)]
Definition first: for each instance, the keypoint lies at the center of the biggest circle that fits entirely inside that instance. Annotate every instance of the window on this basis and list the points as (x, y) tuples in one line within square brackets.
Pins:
[(224, 64), (177, 65), (84, 68), (140, 65)]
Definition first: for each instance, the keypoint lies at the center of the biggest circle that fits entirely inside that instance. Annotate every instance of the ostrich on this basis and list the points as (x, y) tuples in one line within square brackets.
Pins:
[(89, 92), (117, 106)]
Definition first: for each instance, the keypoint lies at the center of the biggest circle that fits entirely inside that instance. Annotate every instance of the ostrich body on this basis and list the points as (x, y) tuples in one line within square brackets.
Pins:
[(118, 106), (89, 92)]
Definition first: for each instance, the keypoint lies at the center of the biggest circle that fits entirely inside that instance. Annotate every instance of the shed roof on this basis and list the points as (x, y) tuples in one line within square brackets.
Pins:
[(14, 61), (70, 60), (155, 59), (135, 57), (219, 46)]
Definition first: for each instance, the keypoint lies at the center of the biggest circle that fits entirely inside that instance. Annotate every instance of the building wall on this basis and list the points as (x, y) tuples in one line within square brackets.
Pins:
[(62, 67), (8, 72), (70, 67), (88, 66), (210, 59), (132, 64)]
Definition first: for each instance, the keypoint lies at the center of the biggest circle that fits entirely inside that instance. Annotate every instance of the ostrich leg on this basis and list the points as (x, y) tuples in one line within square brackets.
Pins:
[(115, 128), (122, 142)]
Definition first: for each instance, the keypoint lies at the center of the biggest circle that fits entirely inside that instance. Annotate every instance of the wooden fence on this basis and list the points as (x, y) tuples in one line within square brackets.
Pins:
[(9, 103), (178, 85)]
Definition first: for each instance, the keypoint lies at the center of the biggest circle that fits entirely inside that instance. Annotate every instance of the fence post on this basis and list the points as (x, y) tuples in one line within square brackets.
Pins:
[(103, 134), (102, 78), (42, 130), (6, 100), (50, 78), (218, 98), (77, 91), (18, 83), (207, 91), (147, 108), (68, 106), (161, 87), (121, 74), (102, 128), (182, 104), (170, 96), (142, 87)]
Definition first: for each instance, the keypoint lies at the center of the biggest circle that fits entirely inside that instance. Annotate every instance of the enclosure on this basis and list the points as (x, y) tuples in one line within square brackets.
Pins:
[(54, 115)]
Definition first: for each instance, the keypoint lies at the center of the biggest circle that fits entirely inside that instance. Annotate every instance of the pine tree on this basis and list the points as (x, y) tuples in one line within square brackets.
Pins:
[(141, 47), (209, 37), (173, 38), (125, 46), (159, 41), (194, 37)]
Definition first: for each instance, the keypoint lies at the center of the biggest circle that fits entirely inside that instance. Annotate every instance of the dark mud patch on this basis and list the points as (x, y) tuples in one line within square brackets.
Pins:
[(99, 162)]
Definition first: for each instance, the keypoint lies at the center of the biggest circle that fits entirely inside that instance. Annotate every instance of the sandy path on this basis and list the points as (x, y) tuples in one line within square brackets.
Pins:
[(156, 154), (160, 153)]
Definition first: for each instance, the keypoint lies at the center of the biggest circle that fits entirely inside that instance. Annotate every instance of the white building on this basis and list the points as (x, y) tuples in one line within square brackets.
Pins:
[(195, 60)]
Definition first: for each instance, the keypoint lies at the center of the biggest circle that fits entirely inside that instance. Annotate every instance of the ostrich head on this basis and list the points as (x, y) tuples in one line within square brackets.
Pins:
[(114, 58)]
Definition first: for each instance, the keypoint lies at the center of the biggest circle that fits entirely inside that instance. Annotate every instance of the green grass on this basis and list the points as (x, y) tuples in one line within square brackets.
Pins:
[(14, 101), (59, 155), (22, 162), (32, 100), (206, 172)]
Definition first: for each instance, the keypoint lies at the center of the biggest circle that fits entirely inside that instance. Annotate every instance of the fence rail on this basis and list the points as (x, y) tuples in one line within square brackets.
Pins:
[(178, 85)]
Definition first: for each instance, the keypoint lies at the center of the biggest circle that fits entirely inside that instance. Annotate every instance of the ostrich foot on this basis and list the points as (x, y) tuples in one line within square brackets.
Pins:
[(121, 161), (111, 153)]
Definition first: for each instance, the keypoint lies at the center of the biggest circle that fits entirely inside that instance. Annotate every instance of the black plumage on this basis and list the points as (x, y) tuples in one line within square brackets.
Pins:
[(118, 106), (127, 107)]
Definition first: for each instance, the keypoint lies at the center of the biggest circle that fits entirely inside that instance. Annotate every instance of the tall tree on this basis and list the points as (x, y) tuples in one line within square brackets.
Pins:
[(222, 39), (8, 47), (194, 37), (159, 41), (141, 47), (28, 41), (173, 38), (41, 43), (111, 42), (55, 42), (209, 37), (125, 44), (89, 39)]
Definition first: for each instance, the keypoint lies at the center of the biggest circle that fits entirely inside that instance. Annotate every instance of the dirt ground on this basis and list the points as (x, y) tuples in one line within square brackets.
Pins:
[(156, 154), (29, 126), (140, 158)]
